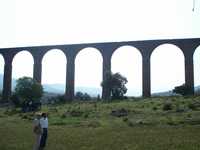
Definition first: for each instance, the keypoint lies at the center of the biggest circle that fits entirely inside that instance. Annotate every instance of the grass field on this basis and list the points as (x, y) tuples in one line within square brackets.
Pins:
[(152, 124)]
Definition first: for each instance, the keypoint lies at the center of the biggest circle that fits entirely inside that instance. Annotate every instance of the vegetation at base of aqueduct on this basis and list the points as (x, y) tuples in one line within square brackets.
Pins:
[(160, 123)]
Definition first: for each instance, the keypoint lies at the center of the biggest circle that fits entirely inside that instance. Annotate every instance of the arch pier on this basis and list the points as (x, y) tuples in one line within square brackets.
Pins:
[(188, 47)]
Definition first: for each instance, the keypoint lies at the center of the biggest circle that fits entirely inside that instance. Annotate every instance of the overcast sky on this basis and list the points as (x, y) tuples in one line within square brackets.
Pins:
[(48, 22)]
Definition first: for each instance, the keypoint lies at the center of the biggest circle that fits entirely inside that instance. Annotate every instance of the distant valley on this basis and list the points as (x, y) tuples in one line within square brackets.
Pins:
[(93, 91), (59, 88)]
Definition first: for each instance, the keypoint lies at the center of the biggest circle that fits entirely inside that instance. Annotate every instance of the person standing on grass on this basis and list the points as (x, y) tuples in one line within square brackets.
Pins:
[(44, 125), (37, 130)]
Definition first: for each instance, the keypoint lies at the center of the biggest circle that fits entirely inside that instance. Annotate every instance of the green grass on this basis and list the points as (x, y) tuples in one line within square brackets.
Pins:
[(145, 128)]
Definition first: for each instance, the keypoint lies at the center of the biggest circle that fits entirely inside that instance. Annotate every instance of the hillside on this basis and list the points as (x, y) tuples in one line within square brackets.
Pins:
[(143, 124), (59, 88), (93, 91)]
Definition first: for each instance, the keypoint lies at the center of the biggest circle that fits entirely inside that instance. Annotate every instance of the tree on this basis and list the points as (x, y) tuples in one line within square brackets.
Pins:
[(82, 96), (116, 84), (79, 95), (183, 90), (29, 90)]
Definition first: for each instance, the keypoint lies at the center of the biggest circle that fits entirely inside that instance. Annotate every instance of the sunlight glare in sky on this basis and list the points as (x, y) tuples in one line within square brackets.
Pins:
[(49, 22), (197, 67), (88, 68), (54, 67), (167, 68), (127, 61), (22, 65), (36, 22), (1, 64)]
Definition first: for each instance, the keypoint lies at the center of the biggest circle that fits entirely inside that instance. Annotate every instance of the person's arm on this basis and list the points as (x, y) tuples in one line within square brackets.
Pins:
[(35, 124)]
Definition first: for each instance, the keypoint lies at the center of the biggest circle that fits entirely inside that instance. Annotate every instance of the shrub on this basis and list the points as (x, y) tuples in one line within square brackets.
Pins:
[(115, 84), (27, 94), (64, 115), (167, 106), (130, 123), (189, 115), (192, 121), (119, 112), (125, 119), (192, 106), (155, 108), (28, 89), (183, 90), (15, 100), (180, 108), (76, 113), (86, 115), (140, 121), (61, 98), (82, 96), (171, 121), (28, 117), (11, 111)]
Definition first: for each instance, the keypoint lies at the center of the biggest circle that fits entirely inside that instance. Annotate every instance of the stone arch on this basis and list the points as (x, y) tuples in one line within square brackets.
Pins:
[(22, 65), (54, 65), (28, 52), (92, 48), (167, 68), (196, 62), (2, 63), (88, 64), (127, 60)]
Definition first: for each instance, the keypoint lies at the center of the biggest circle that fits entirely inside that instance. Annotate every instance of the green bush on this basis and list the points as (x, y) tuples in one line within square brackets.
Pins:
[(155, 108), (167, 106), (11, 111), (125, 119), (180, 108), (76, 113), (171, 121), (15, 100), (82, 96), (192, 106), (183, 90), (115, 83), (27, 94), (28, 89), (61, 98), (130, 123)]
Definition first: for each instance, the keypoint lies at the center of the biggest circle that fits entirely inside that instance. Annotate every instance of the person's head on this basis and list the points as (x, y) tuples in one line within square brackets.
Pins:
[(44, 115)]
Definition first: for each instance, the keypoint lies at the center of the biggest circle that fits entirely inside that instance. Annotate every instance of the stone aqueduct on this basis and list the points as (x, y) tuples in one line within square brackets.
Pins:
[(188, 46)]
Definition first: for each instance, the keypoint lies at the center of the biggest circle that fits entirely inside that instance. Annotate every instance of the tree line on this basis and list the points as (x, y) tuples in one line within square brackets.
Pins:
[(28, 91)]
